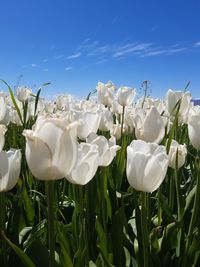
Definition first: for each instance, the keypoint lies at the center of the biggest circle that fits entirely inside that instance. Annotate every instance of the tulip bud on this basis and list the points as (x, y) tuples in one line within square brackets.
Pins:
[(177, 153), (10, 164), (51, 148), (147, 165)]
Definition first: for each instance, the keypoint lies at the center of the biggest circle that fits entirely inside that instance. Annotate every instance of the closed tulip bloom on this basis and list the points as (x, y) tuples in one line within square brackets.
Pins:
[(89, 122), (107, 148), (177, 153), (125, 96), (194, 127), (51, 148), (10, 164), (23, 93), (86, 164), (3, 130), (149, 127), (147, 165), (172, 98), (106, 121), (105, 93), (4, 111)]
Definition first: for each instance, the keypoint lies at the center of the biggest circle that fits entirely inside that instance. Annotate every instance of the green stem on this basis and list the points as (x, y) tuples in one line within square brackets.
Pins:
[(159, 207), (3, 259), (195, 212), (178, 194), (51, 219), (122, 123), (144, 224)]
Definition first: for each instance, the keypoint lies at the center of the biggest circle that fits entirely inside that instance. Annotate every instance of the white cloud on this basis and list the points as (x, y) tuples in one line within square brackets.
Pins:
[(131, 49), (33, 65), (68, 68), (73, 56), (99, 50), (163, 52), (197, 44)]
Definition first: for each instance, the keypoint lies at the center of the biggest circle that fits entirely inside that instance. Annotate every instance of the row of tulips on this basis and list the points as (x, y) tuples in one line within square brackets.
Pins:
[(106, 181)]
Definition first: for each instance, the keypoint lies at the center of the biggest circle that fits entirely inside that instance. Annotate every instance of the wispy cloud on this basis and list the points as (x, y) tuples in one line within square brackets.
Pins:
[(131, 49), (45, 70), (73, 56), (197, 44), (33, 65), (58, 57), (101, 61), (45, 60), (68, 68), (99, 50), (163, 52)]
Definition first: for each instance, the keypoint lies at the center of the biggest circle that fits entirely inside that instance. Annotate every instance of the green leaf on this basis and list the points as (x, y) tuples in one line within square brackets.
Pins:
[(14, 101), (23, 257)]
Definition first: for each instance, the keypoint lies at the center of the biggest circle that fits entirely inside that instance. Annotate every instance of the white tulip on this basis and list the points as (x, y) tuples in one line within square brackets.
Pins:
[(10, 164), (125, 96), (149, 127), (178, 152), (49, 106), (106, 121), (116, 107), (86, 164), (107, 148), (51, 148), (194, 127), (4, 111), (3, 130), (172, 98), (23, 93), (105, 93), (89, 122), (147, 165)]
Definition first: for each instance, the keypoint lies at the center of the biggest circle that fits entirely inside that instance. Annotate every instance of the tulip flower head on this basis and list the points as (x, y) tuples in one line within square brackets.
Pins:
[(86, 164), (177, 153), (107, 148), (51, 148), (10, 164), (125, 95), (3, 130), (147, 165), (150, 126), (105, 93), (194, 127), (23, 93)]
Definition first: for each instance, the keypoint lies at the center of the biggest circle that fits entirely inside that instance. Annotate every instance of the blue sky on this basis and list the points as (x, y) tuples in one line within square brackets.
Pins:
[(75, 44)]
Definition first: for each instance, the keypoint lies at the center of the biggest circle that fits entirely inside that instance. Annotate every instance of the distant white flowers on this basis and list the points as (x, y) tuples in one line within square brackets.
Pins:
[(71, 139)]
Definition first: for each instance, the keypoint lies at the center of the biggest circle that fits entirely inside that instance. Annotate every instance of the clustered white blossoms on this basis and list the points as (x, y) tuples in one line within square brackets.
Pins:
[(68, 141)]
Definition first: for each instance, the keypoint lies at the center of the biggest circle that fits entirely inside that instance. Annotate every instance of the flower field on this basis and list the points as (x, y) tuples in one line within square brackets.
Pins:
[(104, 181)]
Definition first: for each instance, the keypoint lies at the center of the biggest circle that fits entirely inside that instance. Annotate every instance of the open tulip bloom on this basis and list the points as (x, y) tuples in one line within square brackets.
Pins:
[(147, 165)]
